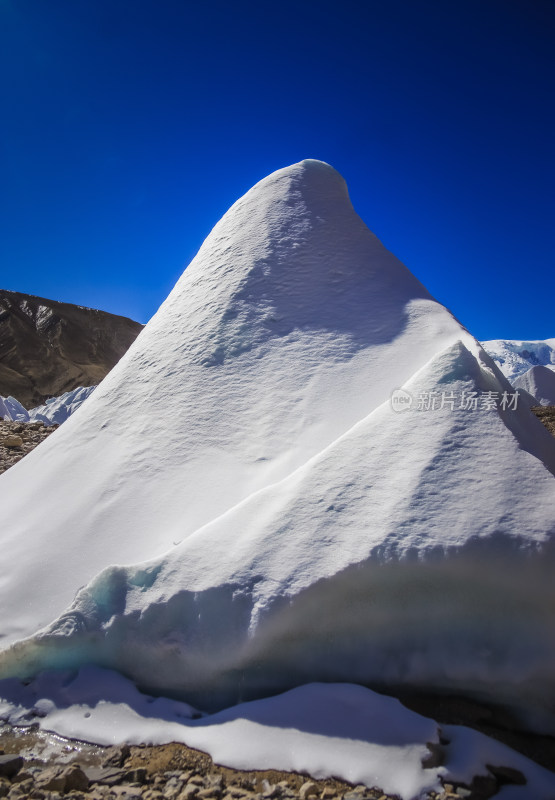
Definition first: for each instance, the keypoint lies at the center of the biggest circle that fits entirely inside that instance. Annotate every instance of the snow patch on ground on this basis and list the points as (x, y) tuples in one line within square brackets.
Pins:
[(327, 730)]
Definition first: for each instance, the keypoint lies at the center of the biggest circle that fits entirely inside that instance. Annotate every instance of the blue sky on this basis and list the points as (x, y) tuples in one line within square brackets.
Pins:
[(130, 126)]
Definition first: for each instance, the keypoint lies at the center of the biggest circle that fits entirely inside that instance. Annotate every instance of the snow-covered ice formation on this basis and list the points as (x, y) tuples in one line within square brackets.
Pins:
[(238, 509), (514, 358), (12, 410), (539, 382), (58, 409), (54, 411)]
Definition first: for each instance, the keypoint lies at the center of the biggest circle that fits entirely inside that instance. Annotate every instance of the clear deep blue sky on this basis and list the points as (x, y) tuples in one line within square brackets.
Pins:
[(130, 126)]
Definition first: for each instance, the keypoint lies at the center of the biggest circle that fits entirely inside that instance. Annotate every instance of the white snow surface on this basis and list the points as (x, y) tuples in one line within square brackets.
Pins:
[(237, 510), (56, 410), (515, 357), (539, 382), (327, 730)]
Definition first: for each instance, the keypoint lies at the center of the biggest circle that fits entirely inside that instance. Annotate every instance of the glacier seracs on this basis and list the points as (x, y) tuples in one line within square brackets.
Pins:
[(55, 411), (539, 382)]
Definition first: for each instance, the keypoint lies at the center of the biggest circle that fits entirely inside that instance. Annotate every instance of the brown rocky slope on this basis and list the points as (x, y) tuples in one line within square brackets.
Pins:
[(48, 348), (546, 414)]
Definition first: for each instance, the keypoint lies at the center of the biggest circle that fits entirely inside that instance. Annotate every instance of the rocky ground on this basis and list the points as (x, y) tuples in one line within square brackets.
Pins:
[(19, 438), (547, 415)]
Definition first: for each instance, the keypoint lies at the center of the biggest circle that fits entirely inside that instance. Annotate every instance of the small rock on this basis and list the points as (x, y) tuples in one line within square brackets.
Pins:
[(25, 786), (104, 775), (115, 756), (308, 789), (76, 780), (191, 790), (196, 779), (22, 775), (328, 792), (12, 440), (126, 792), (174, 787), (63, 779), (16, 792), (211, 791), (137, 775), (10, 765), (152, 794)]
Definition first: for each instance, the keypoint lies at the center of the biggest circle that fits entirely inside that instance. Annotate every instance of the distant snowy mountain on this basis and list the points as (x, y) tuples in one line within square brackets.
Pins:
[(514, 358), (304, 469)]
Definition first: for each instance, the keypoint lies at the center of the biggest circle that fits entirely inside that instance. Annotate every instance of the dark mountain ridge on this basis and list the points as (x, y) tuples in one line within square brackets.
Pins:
[(48, 347)]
